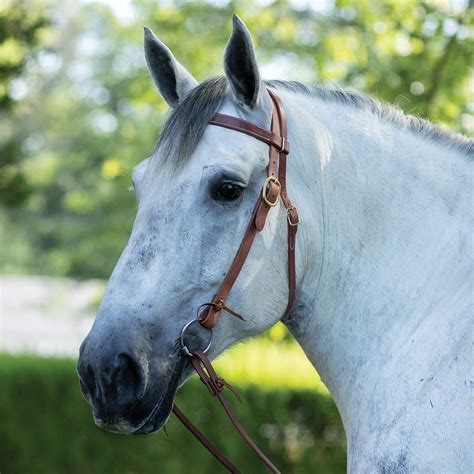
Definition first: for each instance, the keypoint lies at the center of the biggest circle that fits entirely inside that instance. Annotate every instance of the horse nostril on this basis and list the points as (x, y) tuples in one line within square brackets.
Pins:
[(129, 379), (86, 380), (112, 382)]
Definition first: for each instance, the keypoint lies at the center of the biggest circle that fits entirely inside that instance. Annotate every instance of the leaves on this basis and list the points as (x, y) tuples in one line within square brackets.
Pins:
[(83, 111)]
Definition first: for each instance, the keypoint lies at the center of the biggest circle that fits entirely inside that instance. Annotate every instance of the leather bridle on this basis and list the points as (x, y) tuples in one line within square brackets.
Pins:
[(274, 189)]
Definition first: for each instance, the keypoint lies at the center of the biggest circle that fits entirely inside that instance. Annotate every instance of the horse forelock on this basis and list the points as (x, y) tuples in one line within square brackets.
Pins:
[(187, 121)]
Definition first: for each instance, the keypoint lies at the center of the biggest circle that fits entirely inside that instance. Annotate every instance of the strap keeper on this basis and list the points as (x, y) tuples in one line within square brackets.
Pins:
[(284, 146)]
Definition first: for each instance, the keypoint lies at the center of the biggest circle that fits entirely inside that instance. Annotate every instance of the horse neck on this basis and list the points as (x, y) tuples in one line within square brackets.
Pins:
[(381, 217)]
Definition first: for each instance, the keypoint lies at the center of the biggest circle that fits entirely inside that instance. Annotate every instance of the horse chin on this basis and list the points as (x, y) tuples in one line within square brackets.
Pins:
[(156, 418), (153, 422), (154, 425), (161, 412)]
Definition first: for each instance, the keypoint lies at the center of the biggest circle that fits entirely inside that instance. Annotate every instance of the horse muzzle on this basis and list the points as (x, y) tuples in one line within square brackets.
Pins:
[(125, 395)]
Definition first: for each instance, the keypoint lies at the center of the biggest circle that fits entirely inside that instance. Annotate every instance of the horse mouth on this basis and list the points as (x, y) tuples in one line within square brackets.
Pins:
[(161, 411)]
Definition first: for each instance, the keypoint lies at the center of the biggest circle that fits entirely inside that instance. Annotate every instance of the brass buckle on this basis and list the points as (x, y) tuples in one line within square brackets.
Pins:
[(271, 179), (288, 216)]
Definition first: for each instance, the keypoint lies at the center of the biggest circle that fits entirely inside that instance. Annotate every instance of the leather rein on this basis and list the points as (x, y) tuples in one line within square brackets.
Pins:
[(274, 189)]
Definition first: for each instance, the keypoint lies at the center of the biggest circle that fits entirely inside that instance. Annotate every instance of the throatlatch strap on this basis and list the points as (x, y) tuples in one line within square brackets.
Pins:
[(292, 213)]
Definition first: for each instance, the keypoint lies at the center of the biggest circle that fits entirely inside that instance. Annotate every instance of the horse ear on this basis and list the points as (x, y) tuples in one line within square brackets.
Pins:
[(240, 65), (171, 78)]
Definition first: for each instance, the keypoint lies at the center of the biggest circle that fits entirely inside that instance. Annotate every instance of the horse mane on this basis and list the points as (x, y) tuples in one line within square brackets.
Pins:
[(386, 112), (187, 121)]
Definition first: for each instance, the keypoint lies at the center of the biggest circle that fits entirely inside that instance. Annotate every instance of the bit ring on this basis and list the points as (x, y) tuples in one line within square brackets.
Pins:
[(184, 347)]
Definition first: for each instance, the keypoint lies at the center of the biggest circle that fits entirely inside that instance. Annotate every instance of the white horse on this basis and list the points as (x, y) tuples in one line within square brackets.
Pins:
[(384, 261)]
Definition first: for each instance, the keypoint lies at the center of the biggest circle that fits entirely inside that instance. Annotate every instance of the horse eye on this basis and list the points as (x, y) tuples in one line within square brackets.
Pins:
[(227, 192)]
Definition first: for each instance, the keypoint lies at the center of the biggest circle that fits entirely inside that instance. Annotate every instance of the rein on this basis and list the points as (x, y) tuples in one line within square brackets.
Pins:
[(274, 189)]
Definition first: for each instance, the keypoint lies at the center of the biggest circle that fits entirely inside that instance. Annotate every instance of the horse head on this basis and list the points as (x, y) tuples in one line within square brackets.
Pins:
[(195, 196)]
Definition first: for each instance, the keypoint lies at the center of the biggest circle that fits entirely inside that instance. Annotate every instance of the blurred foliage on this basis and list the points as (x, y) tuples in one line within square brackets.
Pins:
[(20, 27), (47, 428), (86, 112), (275, 361)]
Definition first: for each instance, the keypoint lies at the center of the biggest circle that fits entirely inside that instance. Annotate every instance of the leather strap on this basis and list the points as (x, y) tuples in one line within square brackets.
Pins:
[(216, 385), (234, 123), (205, 441), (292, 213), (274, 188)]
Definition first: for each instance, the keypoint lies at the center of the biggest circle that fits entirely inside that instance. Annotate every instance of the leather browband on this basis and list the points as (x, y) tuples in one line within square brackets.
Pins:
[(273, 190), (234, 123)]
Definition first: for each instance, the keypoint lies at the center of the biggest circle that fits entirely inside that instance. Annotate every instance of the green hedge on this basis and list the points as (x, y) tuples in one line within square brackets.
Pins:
[(46, 428)]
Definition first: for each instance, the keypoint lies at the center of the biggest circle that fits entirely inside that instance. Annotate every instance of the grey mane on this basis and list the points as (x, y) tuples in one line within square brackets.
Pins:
[(187, 121), (386, 112)]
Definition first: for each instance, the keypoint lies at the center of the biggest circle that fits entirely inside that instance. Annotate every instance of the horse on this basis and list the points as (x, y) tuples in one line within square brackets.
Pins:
[(383, 261)]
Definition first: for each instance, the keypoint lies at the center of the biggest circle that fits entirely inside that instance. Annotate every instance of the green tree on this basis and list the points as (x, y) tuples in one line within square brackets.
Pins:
[(91, 113), (20, 27)]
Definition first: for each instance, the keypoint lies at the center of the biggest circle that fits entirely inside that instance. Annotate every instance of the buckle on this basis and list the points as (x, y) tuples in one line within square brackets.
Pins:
[(288, 216), (269, 181)]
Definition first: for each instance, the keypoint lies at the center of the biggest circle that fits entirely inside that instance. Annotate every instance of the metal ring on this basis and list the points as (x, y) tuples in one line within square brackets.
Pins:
[(184, 348)]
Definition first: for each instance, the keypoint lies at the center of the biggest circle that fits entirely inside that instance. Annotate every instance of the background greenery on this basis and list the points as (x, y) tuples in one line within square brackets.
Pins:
[(42, 428), (78, 111)]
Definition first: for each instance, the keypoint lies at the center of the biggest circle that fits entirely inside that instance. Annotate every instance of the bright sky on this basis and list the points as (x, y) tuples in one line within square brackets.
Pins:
[(124, 10)]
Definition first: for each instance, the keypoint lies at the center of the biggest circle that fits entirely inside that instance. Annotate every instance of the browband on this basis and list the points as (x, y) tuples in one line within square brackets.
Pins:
[(239, 125)]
